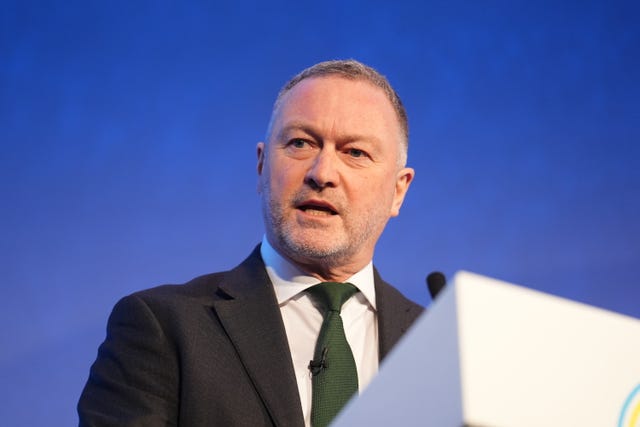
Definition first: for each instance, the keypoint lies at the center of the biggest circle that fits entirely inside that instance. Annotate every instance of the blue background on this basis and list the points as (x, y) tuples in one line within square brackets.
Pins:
[(128, 132)]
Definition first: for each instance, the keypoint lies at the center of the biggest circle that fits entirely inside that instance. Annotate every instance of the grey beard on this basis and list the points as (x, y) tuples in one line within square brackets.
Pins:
[(326, 256), (302, 252)]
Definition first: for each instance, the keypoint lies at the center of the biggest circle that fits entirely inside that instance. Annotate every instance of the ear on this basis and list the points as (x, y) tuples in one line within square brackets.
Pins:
[(403, 180), (260, 149)]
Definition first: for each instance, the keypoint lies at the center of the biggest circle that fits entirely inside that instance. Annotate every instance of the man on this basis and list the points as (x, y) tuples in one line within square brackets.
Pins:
[(242, 347)]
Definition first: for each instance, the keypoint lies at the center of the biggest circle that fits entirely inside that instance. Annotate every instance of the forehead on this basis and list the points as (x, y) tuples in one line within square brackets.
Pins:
[(339, 103)]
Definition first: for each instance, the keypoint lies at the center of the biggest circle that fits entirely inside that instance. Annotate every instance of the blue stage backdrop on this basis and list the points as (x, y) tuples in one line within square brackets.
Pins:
[(128, 132)]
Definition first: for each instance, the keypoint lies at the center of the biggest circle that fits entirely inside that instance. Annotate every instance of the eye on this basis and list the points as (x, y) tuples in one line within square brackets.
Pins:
[(354, 152), (300, 148), (298, 143)]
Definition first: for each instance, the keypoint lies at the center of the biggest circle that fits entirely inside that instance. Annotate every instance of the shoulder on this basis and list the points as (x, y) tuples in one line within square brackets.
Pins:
[(392, 304), (391, 299), (202, 290), (208, 288), (198, 288), (396, 314)]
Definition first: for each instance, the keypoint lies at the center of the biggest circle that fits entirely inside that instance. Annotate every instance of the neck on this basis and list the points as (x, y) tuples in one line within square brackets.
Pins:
[(328, 269), (325, 269), (329, 273)]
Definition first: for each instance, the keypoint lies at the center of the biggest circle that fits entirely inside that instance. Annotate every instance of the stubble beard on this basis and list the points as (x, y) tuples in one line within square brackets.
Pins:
[(300, 246)]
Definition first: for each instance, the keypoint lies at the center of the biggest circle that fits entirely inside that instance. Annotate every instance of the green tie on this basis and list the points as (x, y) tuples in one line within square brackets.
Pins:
[(335, 377)]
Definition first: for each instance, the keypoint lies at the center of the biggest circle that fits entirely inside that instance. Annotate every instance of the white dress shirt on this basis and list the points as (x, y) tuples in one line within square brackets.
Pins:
[(302, 320)]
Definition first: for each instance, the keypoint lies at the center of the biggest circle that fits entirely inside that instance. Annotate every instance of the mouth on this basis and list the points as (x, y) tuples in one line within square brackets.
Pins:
[(317, 208)]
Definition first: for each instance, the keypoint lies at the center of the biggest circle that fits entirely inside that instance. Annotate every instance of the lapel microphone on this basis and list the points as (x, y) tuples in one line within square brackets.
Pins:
[(317, 366)]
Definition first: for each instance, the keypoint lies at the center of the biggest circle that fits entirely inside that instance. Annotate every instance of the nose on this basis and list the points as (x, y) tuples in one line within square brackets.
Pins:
[(323, 171)]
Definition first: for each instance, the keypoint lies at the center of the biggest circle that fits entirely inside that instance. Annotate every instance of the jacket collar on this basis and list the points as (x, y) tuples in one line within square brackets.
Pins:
[(249, 313)]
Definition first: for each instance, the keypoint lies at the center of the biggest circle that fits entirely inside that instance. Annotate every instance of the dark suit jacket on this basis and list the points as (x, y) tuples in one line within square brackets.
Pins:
[(212, 352)]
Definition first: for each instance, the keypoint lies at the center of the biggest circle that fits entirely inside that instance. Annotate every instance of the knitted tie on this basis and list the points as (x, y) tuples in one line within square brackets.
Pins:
[(335, 377)]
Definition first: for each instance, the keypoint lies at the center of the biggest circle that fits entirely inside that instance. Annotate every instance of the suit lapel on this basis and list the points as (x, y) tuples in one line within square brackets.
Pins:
[(249, 313), (251, 317), (395, 315)]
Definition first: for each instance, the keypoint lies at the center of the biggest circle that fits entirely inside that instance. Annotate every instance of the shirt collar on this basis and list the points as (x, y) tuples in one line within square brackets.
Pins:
[(289, 280)]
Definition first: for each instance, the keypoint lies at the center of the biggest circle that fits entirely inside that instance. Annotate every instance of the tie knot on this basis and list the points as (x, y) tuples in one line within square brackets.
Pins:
[(332, 294)]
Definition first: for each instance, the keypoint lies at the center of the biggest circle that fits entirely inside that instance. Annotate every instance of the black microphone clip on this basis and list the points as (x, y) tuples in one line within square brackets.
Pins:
[(317, 366)]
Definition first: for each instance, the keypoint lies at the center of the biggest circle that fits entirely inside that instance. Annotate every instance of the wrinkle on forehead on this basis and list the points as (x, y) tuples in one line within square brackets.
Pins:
[(317, 134), (324, 100)]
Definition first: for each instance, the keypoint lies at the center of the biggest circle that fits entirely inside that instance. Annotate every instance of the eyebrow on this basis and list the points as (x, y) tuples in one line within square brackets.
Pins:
[(309, 129)]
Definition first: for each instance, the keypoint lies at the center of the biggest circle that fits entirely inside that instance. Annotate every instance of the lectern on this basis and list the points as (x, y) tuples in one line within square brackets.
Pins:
[(492, 354)]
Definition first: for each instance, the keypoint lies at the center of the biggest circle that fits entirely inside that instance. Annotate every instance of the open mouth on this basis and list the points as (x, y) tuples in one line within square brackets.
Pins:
[(317, 209)]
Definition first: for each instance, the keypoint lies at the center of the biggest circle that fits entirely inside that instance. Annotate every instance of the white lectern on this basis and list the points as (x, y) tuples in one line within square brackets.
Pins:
[(491, 354)]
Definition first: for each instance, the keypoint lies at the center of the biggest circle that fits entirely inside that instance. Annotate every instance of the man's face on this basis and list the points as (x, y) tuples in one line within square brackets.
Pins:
[(329, 176)]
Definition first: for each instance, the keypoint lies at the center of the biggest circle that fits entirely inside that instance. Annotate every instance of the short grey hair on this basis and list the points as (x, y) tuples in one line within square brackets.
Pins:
[(352, 70)]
